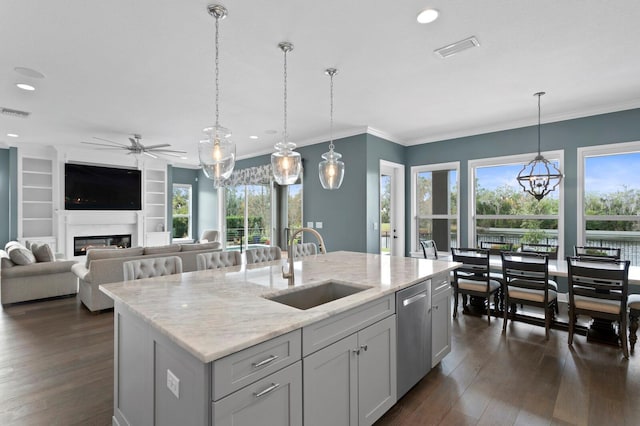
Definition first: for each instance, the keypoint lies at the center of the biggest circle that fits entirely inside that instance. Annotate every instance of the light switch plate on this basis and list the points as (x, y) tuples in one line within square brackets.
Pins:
[(309, 224), (319, 225), (173, 383)]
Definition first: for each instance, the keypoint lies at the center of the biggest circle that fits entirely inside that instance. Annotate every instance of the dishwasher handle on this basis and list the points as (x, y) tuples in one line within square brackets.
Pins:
[(410, 300)]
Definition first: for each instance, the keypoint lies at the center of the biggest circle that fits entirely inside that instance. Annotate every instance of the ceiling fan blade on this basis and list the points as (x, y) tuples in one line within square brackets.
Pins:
[(163, 151), (107, 140), (149, 154), (168, 154), (157, 146), (104, 144)]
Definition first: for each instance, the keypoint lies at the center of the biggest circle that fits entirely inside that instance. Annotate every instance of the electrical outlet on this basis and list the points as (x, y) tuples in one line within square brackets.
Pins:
[(173, 383), (319, 225), (309, 224)]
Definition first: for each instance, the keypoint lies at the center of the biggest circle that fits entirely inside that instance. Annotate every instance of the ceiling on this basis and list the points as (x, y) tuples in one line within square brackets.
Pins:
[(118, 67)]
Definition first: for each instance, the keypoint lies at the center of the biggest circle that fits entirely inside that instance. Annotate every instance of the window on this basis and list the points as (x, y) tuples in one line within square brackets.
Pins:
[(609, 197), (435, 205), (182, 222), (294, 206), (502, 212), (248, 215)]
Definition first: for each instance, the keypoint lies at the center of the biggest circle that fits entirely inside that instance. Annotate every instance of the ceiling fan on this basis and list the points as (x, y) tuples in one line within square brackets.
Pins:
[(136, 147)]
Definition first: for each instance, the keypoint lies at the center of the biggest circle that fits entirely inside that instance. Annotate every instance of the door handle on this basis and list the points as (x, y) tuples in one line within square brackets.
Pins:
[(410, 300)]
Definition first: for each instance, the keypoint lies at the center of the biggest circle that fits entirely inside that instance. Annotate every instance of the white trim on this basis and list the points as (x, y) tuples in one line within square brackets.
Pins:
[(395, 170), (597, 151), (189, 215), (511, 160), (415, 170)]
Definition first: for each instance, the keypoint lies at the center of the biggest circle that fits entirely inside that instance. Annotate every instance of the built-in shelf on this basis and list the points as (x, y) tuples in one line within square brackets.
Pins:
[(36, 198), (155, 207)]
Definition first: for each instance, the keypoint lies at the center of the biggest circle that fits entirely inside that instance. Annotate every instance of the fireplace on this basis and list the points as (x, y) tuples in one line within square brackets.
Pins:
[(82, 244)]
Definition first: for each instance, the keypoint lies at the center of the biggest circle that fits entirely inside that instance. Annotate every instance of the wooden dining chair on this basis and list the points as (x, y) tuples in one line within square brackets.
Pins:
[(526, 282), (633, 303), (599, 288), (429, 249), (551, 250), (597, 252), (473, 279)]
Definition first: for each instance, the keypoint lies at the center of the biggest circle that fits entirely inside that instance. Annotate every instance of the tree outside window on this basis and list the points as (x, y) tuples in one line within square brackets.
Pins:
[(182, 224)]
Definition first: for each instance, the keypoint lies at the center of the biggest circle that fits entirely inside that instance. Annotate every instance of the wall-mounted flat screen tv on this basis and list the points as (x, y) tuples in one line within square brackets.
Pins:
[(89, 187)]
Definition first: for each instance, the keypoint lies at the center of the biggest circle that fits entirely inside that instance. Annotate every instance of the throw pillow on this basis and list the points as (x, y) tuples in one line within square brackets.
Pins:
[(11, 244), (21, 255), (5, 261), (42, 252)]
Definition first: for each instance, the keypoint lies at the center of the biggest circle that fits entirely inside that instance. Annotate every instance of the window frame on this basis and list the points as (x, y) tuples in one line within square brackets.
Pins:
[(506, 160), (189, 215), (415, 171), (597, 151)]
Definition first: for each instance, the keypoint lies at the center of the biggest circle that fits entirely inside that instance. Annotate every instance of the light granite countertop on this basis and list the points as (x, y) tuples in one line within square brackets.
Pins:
[(215, 313)]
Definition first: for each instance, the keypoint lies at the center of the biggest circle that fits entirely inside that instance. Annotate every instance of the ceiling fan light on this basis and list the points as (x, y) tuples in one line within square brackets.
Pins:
[(217, 153)]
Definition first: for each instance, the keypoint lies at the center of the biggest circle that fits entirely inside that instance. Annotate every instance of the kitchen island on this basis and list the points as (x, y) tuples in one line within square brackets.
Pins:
[(209, 347)]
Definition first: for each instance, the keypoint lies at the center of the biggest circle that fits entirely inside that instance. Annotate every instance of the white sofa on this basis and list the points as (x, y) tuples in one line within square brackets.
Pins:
[(32, 280), (104, 266)]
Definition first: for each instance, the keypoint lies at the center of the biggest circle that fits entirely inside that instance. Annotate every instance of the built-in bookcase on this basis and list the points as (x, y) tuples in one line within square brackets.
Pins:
[(36, 203), (155, 205)]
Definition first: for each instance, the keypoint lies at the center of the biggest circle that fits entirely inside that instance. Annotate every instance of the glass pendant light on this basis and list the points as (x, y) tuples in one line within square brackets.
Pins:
[(217, 153), (539, 177), (331, 169), (286, 162)]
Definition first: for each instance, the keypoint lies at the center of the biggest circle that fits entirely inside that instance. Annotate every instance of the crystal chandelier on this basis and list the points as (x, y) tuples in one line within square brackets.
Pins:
[(286, 162), (217, 153), (331, 169), (539, 177)]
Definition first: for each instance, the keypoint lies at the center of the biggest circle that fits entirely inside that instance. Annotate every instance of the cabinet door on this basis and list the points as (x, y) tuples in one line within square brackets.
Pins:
[(440, 326), (330, 385), (274, 400), (376, 370)]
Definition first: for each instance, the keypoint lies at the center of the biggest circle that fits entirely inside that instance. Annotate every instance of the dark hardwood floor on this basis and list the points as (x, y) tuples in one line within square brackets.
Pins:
[(56, 368)]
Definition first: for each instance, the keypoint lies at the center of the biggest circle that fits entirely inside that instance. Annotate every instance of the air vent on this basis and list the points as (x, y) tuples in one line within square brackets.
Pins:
[(14, 113), (457, 47)]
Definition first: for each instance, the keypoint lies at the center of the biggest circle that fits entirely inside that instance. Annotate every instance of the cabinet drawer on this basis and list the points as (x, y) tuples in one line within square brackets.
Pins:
[(274, 400), (439, 284), (242, 368), (323, 333)]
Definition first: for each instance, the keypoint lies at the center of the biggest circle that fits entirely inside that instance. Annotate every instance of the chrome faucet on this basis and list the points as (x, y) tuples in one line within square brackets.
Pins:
[(289, 275)]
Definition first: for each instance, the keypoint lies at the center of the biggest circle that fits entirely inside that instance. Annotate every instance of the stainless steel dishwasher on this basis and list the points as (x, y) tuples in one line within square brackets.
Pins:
[(413, 309)]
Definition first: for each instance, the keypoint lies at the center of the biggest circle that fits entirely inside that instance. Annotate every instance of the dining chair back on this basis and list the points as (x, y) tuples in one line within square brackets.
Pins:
[(526, 278), (599, 289), (218, 259), (304, 249), (495, 247), (597, 252), (473, 279), (263, 254), (429, 249), (550, 250), (151, 267)]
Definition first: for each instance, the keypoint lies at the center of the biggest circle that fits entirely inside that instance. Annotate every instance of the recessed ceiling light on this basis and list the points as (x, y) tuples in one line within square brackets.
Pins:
[(427, 16), (184, 158), (25, 86), (253, 137), (28, 72), (12, 135)]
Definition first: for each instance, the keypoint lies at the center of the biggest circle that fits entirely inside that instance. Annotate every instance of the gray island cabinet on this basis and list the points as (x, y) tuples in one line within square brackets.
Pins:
[(205, 348)]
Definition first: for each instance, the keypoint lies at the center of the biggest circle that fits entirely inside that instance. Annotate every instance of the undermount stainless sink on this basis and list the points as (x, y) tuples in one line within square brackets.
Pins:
[(310, 297)]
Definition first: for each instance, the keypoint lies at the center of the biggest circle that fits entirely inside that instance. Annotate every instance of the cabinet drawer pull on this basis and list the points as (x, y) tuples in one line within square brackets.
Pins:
[(364, 347), (356, 351), (442, 285), (264, 361), (271, 388), (412, 299)]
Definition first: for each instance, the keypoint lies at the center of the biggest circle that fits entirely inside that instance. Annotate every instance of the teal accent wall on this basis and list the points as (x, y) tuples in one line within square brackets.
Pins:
[(5, 199), (569, 135), (207, 203), (188, 177)]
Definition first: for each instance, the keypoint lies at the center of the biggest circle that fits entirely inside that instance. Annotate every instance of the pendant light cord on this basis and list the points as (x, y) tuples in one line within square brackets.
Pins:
[(217, 73), (286, 139), (539, 95), (331, 145)]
